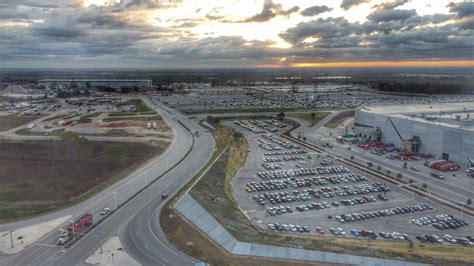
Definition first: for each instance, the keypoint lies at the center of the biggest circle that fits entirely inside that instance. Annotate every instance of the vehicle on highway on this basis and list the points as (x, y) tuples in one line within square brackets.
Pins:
[(105, 211), (164, 196), (414, 168), (196, 133), (437, 175), (80, 223), (64, 239)]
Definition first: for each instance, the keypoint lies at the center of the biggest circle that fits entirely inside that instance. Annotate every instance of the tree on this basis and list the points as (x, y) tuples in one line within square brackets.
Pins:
[(369, 164), (389, 172), (237, 135), (379, 167), (313, 116), (469, 201), (411, 181), (399, 175), (424, 185), (352, 157), (304, 138), (281, 115)]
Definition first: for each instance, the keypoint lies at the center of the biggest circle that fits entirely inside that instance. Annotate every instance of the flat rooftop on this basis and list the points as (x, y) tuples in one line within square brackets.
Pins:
[(454, 115), (420, 108)]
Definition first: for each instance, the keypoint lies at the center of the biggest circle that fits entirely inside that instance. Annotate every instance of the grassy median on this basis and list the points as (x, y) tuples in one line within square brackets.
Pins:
[(312, 117)]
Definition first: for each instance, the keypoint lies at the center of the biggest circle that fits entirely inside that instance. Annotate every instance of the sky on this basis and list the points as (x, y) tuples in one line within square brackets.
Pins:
[(235, 33)]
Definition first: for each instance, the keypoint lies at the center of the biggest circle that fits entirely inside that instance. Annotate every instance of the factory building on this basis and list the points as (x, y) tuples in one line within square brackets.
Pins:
[(95, 83), (444, 130)]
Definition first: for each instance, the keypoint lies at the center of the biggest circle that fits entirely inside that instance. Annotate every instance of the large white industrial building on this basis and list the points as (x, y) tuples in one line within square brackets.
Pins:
[(440, 129), (94, 83)]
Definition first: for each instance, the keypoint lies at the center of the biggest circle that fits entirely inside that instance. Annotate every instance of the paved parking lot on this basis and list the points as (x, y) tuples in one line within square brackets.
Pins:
[(282, 183), (322, 96)]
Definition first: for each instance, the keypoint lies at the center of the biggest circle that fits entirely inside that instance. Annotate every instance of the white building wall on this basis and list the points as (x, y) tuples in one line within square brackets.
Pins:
[(435, 139)]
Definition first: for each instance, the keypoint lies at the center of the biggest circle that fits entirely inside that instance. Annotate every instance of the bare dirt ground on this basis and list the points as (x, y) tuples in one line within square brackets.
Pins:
[(43, 175)]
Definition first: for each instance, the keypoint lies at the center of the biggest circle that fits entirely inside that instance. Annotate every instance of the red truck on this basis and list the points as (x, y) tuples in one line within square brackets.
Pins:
[(78, 224)]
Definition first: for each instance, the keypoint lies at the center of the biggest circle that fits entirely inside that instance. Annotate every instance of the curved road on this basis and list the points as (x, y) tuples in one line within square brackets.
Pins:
[(137, 221), (189, 153)]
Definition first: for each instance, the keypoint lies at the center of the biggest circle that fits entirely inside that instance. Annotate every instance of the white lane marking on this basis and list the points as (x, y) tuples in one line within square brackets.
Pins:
[(45, 245)]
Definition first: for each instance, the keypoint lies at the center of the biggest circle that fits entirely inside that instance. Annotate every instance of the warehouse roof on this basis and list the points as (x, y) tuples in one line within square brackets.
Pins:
[(454, 115)]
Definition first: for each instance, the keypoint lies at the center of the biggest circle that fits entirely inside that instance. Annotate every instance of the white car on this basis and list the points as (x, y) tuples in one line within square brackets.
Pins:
[(105, 211)]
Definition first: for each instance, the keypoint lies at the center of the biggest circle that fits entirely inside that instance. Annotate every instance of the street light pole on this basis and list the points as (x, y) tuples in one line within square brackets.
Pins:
[(115, 197), (11, 238)]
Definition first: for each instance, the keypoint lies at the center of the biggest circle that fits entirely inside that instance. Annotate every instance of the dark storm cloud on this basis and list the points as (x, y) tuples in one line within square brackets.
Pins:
[(322, 28), (314, 10), (347, 4), (57, 31), (390, 15), (388, 34), (30, 3), (118, 34), (464, 9), (269, 11)]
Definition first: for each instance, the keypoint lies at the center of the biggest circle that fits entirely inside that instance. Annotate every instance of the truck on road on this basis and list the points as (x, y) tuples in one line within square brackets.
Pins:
[(78, 224)]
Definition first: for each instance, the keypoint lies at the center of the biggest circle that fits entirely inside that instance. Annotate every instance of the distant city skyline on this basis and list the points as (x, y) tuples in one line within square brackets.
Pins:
[(244, 33)]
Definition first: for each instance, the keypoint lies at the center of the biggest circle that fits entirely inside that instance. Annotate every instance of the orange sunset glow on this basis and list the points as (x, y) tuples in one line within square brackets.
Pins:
[(450, 63)]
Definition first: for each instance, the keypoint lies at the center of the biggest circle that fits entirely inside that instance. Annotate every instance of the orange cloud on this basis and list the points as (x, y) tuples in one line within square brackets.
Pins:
[(438, 63)]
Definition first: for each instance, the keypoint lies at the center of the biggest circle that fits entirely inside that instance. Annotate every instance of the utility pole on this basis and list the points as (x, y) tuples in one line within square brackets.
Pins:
[(115, 197), (11, 238), (73, 233)]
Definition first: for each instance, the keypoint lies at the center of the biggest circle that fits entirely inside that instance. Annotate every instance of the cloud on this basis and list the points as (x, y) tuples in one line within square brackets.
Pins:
[(391, 15), (314, 10), (320, 28), (463, 9), (269, 11), (347, 4), (390, 5), (69, 33), (59, 32)]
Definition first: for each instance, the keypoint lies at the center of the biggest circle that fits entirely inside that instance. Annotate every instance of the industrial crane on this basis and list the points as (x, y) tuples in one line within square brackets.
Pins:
[(406, 147)]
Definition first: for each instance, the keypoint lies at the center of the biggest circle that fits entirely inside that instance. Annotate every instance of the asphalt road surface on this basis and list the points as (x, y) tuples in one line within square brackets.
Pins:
[(138, 217)]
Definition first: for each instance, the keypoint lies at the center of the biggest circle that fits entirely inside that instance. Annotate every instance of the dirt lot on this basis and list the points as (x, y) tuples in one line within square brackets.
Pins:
[(39, 176), (10, 121)]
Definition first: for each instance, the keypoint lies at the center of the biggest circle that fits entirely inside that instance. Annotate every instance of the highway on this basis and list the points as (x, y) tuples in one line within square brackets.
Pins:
[(137, 220)]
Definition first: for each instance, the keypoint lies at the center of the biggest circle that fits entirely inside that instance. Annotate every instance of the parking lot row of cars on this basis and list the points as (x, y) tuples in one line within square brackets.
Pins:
[(280, 142), (285, 158), (267, 145), (465, 241), (348, 218), (303, 172), (278, 184), (440, 221), (246, 124), (289, 152), (271, 166), (264, 125)]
